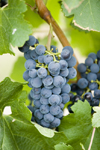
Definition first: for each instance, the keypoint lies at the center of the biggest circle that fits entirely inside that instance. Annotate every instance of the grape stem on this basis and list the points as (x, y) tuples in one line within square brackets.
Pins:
[(46, 15), (92, 138), (50, 35)]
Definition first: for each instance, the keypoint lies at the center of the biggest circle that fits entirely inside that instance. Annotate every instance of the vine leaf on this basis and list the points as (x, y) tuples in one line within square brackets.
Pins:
[(70, 5), (78, 127), (63, 146), (96, 117), (86, 14), (14, 30), (16, 130)]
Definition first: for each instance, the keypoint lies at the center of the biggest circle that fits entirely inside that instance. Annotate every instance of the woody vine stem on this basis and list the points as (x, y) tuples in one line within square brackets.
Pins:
[(46, 15)]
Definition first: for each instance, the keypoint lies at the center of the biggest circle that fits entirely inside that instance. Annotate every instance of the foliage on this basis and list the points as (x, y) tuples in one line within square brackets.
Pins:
[(86, 16), (11, 26)]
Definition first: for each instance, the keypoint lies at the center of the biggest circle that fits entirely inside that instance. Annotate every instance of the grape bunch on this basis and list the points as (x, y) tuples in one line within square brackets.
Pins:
[(48, 73), (88, 87)]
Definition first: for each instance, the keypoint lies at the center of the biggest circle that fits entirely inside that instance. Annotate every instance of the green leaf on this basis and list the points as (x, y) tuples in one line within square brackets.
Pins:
[(63, 146), (16, 130), (9, 92), (84, 42), (31, 16), (23, 135), (77, 126), (96, 117), (70, 5), (86, 15), (14, 30)]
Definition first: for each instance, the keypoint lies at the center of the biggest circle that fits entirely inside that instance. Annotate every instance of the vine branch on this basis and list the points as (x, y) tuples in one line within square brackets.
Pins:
[(46, 15)]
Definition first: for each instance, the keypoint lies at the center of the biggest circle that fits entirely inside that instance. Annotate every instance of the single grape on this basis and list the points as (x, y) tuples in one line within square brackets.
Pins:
[(34, 96), (47, 59), (71, 62), (88, 96), (36, 90), (81, 68), (27, 54), (64, 73), (30, 64), (74, 87), (94, 102), (60, 115), (41, 59), (69, 48), (37, 103), (72, 73), (42, 72), (93, 86), (31, 41), (54, 68), (40, 49), (65, 98), (36, 82), (97, 93), (56, 90), (55, 123), (46, 92), (54, 100), (44, 101), (48, 118), (66, 88), (45, 124), (38, 114), (44, 109), (63, 64), (93, 56), (65, 54), (33, 73), (82, 83), (94, 68), (88, 61), (55, 110), (58, 81), (33, 55), (91, 76), (48, 80)]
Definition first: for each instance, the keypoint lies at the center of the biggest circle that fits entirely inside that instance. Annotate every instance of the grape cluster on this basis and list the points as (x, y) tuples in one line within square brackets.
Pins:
[(88, 87), (47, 73)]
